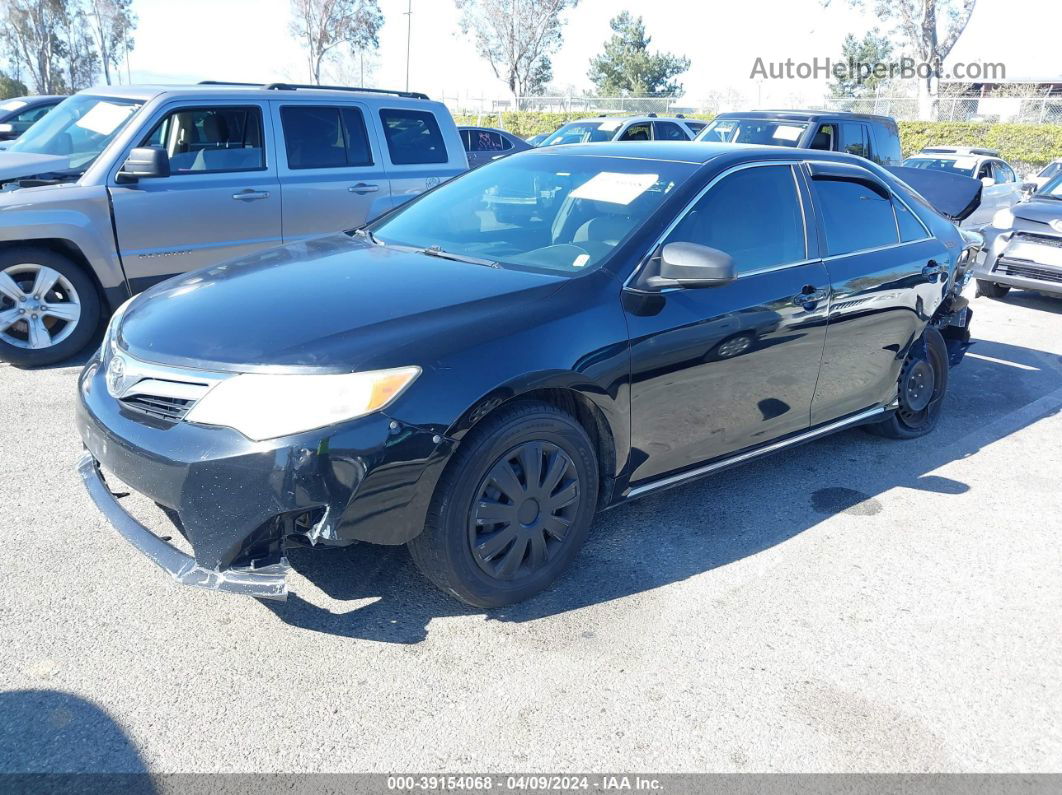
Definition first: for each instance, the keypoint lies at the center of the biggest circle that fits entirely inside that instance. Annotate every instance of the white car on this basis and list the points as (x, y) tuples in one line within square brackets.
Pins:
[(625, 128), (1042, 177), (1001, 186)]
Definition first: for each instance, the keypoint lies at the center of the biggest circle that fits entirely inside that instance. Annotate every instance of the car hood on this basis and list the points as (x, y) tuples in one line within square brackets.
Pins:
[(26, 164), (333, 304), (1041, 210)]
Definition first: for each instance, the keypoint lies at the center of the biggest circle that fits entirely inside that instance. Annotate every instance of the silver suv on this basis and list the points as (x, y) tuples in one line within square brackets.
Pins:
[(120, 188)]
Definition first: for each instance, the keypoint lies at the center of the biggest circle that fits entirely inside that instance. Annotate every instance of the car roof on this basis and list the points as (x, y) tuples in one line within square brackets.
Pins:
[(803, 115), (695, 152), (626, 118), (251, 91), (487, 129)]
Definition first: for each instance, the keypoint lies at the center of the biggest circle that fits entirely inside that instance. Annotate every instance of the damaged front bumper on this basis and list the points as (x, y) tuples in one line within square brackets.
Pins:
[(239, 503), (268, 582)]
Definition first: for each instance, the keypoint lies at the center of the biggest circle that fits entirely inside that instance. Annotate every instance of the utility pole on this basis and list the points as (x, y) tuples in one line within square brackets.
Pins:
[(409, 31)]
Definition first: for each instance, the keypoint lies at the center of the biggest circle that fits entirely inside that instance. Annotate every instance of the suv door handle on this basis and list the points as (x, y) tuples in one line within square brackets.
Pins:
[(809, 296), (932, 270), (251, 195), (363, 187)]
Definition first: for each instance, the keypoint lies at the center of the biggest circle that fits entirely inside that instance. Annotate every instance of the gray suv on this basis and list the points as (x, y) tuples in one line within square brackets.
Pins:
[(115, 190)]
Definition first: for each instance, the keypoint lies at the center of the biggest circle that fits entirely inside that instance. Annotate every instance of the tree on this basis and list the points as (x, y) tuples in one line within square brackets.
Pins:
[(323, 25), (516, 37), (11, 87), (112, 23), (627, 68), (930, 28), (862, 58), (77, 51), (33, 36)]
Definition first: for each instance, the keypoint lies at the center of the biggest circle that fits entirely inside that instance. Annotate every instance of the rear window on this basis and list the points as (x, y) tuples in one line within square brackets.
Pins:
[(325, 137), (413, 137), (962, 166), (767, 132)]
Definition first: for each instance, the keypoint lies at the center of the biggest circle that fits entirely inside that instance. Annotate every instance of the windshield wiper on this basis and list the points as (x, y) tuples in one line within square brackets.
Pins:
[(366, 233), (436, 251)]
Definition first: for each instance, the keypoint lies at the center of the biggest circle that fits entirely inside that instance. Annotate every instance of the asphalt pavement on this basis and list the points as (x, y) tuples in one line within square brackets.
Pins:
[(855, 604)]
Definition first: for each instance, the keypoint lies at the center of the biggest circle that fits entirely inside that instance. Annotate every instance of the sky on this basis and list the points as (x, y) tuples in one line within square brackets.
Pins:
[(249, 40)]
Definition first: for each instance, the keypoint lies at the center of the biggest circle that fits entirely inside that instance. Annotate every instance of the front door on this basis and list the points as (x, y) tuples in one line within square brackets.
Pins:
[(221, 199), (331, 169), (717, 370)]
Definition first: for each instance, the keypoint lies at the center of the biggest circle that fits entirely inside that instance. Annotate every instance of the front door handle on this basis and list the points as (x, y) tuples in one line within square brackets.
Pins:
[(809, 297), (932, 270), (250, 195), (363, 187)]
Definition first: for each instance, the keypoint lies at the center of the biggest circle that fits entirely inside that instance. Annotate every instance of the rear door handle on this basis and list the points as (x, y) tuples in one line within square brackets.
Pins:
[(809, 296), (363, 187), (251, 195)]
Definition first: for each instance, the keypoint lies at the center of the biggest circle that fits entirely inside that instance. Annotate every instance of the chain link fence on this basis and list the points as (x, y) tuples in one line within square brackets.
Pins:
[(1016, 110)]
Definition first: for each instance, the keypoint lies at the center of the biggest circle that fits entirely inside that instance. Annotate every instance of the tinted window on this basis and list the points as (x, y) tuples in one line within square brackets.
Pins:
[(636, 132), (486, 141), (413, 136), (201, 140), (754, 131), (669, 131), (753, 215), (852, 140), (581, 132), (964, 166), (695, 126), (322, 137), (854, 216), (824, 138), (886, 144), (910, 227)]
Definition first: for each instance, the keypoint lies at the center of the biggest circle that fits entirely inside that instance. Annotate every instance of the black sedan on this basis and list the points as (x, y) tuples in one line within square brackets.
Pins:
[(18, 114), (477, 388)]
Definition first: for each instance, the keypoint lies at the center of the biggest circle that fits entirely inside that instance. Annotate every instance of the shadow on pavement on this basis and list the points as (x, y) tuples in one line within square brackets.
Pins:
[(695, 528), (58, 742)]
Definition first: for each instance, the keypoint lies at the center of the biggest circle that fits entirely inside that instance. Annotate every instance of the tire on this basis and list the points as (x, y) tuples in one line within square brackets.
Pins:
[(918, 385), (32, 338), (521, 553), (991, 290), (733, 346)]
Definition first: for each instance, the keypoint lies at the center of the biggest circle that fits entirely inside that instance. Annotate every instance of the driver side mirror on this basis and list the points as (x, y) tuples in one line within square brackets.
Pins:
[(988, 182), (1029, 187), (143, 163), (693, 265)]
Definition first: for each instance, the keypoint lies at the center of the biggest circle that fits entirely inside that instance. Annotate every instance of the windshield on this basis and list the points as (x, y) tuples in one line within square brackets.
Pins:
[(583, 132), (753, 131), (963, 166), (538, 212), (1053, 188), (78, 127)]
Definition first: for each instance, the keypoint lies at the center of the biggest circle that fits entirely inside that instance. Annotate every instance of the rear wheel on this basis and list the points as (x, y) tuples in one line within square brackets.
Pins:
[(991, 289), (923, 384), (512, 509), (49, 307)]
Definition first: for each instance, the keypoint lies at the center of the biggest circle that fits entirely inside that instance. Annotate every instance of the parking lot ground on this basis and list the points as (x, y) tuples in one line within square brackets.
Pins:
[(855, 604)]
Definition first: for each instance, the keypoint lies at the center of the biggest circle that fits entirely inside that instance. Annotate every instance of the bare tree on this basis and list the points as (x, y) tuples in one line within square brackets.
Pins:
[(77, 51), (931, 29), (323, 25), (516, 37), (112, 23)]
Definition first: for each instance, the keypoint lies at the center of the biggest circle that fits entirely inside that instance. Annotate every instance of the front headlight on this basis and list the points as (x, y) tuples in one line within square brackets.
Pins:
[(1003, 219), (112, 328), (262, 406)]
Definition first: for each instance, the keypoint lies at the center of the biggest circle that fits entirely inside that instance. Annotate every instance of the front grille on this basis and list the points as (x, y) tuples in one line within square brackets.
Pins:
[(1027, 270), (163, 408), (1043, 240)]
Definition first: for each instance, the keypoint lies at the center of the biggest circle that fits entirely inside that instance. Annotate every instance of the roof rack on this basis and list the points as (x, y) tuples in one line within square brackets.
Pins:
[(296, 86)]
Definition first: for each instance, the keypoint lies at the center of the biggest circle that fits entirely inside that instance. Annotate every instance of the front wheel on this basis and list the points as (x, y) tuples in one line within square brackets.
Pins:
[(991, 289), (49, 307), (512, 509), (922, 386)]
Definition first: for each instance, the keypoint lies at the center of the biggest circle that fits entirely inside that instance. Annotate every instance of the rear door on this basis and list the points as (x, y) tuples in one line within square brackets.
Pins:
[(221, 200), (853, 139), (330, 167), (420, 150), (885, 276), (485, 146)]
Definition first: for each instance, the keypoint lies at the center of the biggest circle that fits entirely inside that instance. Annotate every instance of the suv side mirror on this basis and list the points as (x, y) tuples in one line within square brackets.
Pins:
[(988, 182), (144, 162), (1029, 187), (693, 265)]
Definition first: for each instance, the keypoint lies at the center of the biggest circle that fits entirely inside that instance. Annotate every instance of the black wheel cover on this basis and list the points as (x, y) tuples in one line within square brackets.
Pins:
[(921, 386), (523, 509)]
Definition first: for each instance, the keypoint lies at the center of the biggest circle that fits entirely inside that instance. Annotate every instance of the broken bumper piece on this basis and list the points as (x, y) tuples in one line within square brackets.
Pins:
[(268, 582)]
